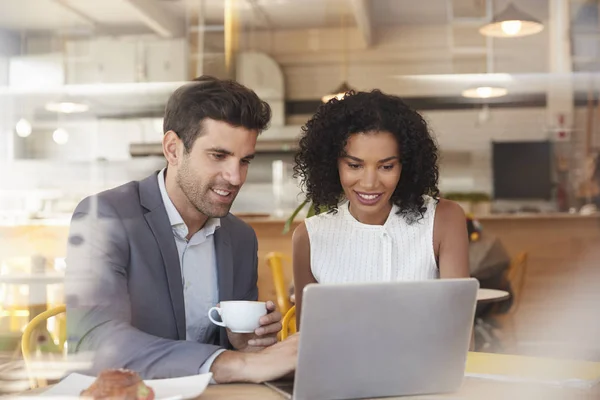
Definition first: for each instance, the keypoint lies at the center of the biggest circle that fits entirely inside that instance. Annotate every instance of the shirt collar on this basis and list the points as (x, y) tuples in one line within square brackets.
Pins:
[(175, 219)]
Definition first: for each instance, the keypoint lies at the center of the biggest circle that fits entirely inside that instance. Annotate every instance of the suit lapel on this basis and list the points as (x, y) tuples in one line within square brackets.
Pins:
[(225, 273), (158, 221), (224, 263)]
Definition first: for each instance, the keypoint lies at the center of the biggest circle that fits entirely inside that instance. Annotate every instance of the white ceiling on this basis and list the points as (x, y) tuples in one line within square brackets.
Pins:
[(35, 14), (67, 15), (409, 12), (105, 12), (77, 15), (64, 15)]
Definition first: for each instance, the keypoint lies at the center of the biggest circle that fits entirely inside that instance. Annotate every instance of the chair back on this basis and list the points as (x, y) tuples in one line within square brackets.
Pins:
[(275, 263), (38, 325), (288, 323)]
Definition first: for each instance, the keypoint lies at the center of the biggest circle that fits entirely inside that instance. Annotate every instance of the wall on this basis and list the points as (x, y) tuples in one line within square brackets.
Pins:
[(9, 45), (311, 59), (89, 139), (462, 132)]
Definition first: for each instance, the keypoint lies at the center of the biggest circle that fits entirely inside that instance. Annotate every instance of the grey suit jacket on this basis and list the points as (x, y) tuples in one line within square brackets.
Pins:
[(124, 290)]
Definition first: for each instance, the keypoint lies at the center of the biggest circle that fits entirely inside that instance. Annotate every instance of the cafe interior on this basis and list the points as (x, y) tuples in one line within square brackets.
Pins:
[(510, 89)]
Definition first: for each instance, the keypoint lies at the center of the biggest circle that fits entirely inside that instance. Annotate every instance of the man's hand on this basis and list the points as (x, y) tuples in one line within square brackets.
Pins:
[(268, 364), (264, 336)]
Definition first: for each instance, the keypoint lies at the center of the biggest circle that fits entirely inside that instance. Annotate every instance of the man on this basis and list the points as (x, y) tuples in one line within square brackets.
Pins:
[(148, 259)]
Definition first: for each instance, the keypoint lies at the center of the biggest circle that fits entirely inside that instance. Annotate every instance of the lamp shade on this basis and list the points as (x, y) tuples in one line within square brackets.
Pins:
[(512, 22)]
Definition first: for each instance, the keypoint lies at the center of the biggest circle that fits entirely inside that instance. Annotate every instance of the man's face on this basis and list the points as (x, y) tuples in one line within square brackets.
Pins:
[(211, 174)]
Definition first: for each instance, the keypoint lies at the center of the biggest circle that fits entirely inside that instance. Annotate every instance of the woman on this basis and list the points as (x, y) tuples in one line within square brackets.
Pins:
[(369, 165)]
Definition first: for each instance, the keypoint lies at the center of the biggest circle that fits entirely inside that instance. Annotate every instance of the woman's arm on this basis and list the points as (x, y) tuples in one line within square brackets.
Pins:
[(301, 261), (451, 241)]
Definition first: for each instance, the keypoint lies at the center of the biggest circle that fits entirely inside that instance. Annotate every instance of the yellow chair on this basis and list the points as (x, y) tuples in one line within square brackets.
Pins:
[(31, 327), (275, 263), (288, 323)]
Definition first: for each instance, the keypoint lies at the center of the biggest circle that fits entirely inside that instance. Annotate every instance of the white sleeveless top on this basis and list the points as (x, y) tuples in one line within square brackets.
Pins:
[(344, 250)]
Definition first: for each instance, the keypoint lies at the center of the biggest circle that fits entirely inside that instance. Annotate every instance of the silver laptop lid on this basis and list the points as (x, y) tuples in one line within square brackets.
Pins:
[(384, 339)]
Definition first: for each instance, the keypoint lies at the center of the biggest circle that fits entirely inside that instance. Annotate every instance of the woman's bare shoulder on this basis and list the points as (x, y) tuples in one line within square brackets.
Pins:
[(300, 235), (449, 211)]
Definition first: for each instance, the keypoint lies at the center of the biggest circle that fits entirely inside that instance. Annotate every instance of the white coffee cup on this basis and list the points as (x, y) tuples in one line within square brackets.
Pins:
[(239, 316)]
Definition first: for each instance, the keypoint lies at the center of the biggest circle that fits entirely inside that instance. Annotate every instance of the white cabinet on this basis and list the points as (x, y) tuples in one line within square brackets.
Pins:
[(79, 66), (126, 60), (104, 60), (115, 60), (165, 60)]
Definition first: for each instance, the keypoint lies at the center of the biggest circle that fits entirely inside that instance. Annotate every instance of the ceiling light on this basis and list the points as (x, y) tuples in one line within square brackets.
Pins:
[(23, 128), (60, 136), (511, 28), (337, 93), (67, 107), (512, 22), (484, 92)]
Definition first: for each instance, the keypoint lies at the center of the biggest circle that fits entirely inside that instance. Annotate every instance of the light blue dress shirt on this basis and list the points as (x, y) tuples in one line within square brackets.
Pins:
[(198, 263)]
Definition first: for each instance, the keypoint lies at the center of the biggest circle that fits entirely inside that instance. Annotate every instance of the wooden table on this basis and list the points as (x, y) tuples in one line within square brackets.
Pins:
[(472, 389), (512, 368), (491, 295)]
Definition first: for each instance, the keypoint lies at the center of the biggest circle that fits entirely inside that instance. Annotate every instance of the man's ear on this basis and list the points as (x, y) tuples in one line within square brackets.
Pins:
[(172, 148)]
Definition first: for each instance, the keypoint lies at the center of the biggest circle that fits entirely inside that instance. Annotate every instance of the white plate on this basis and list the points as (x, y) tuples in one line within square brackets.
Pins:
[(187, 387)]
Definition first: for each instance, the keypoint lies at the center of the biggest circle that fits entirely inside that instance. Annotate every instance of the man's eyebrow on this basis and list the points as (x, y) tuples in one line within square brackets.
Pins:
[(219, 150), (229, 153)]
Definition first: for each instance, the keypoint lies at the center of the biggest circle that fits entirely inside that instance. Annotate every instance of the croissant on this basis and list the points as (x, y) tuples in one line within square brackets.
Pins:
[(118, 384)]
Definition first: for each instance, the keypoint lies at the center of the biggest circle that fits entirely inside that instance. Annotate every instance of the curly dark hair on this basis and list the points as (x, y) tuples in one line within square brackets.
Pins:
[(325, 136), (209, 97)]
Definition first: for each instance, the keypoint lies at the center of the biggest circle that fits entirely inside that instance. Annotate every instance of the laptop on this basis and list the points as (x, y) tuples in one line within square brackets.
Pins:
[(382, 339)]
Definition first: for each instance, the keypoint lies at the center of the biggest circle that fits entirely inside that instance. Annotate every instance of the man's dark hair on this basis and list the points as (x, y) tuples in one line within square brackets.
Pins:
[(220, 100)]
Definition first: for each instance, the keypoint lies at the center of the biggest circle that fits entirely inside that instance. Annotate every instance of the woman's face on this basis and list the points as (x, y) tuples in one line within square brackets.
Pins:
[(369, 173)]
